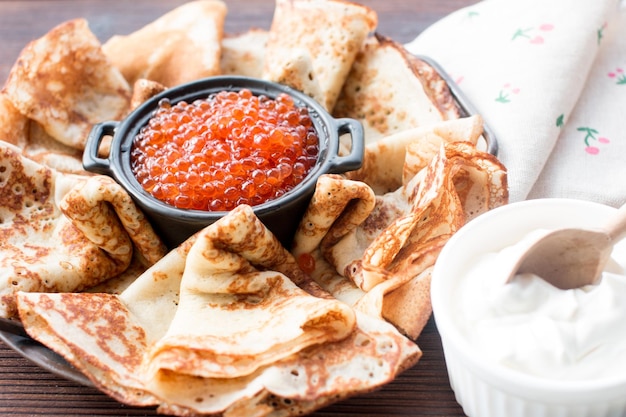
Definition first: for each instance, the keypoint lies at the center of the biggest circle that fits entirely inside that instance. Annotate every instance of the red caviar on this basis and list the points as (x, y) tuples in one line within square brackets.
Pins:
[(229, 149)]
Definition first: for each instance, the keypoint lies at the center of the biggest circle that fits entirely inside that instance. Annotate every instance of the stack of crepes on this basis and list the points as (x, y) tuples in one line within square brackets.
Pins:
[(231, 322)]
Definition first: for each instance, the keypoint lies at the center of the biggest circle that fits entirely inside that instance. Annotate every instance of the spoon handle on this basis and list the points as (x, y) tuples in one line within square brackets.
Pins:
[(616, 227)]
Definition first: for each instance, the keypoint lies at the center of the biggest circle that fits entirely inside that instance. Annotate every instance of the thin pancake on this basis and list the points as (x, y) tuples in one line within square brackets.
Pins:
[(180, 46), (65, 82), (400, 238), (63, 232), (312, 45), (244, 53), (35, 142), (117, 341), (416, 147), (389, 90), (252, 317)]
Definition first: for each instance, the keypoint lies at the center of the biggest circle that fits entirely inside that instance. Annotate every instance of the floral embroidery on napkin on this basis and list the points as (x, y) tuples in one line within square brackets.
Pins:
[(569, 86), (592, 134), (505, 93), (457, 78), (600, 33), (618, 75), (534, 36), (560, 121), (472, 13)]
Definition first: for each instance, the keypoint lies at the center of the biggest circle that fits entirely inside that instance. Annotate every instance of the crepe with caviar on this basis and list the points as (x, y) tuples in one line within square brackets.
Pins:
[(389, 90), (220, 326), (65, 83), (63, 232), (312, 44), (180, 46), (365, 261)]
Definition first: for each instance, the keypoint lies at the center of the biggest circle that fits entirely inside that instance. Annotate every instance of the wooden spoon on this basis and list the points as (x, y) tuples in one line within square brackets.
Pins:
[(571, 258)]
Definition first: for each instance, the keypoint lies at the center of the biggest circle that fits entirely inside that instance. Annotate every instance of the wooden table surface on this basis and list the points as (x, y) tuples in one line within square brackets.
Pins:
[(28, 390)]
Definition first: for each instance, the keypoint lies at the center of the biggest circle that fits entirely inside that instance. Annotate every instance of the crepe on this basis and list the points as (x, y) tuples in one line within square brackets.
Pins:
[(252, 317), (143, 90), (13, 124), (244, 53), (231, 323), (313, 43), (416, 147), (34, 142), (389, 90), (64, 82), (196, 300), (63, 232), (180, 46), (401, 236), (458, 185)]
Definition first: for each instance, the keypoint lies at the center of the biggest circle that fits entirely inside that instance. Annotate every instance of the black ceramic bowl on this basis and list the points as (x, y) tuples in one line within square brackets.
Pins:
[(281, 215)]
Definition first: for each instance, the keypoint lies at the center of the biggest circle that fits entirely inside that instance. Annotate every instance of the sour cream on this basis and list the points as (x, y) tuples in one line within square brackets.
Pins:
[(531, 326)]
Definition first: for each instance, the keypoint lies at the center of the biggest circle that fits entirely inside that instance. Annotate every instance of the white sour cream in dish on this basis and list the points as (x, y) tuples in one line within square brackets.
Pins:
[(531, 326)]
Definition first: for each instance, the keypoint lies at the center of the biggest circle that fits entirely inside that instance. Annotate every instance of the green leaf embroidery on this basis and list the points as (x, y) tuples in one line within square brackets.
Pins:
[(521, 33), (559, 120), (600, 33), (591, 133), (503, 97)]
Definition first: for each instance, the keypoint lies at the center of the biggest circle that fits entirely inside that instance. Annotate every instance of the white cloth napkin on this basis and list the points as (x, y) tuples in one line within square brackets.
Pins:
[(549, 78)]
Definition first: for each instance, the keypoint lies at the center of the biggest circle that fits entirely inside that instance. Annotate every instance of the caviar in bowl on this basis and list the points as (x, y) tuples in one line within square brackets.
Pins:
[(193, 152)]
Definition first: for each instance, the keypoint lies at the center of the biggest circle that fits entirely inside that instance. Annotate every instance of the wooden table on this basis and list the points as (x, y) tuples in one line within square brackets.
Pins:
[(27, 390)]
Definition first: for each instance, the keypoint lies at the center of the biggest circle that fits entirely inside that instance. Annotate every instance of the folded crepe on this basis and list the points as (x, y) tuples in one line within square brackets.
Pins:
[(458, 185), (312, 44), (219, 327), (244, 53), (64, 232), (252, 317), (380, 263), (65, 83), (389, 90), (230, 322), (180, 46), (34, 142), (143, 90), (416, 147), (13, 124)]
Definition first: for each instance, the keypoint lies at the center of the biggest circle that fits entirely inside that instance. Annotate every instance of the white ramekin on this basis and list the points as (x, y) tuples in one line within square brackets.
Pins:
[(483, 387)]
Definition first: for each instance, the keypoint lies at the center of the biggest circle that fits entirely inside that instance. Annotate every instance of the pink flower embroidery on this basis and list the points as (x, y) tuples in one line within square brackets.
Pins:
[(619, 75), (590, 134), (534, 36), (505, 93), (456, 78)]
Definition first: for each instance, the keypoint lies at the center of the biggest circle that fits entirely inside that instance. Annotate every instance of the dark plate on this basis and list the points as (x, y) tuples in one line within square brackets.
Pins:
[(54, 363), (39, 354)]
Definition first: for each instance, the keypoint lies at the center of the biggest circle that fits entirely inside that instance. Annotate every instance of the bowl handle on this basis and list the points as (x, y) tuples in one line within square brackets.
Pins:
[(353, 160), (91, 161)]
